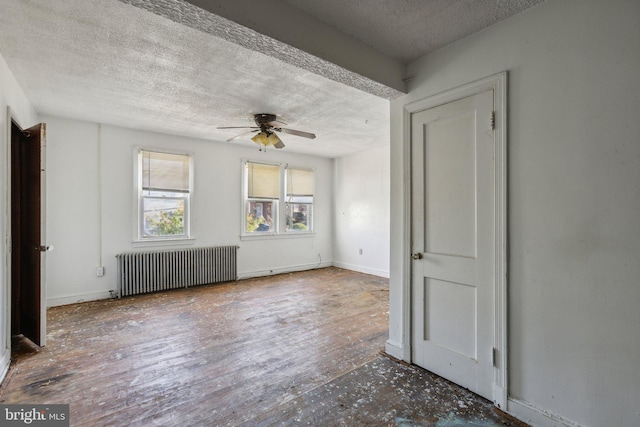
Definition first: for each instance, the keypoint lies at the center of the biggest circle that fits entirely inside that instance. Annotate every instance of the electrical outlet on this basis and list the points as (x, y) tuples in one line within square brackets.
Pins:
[(99, 271)]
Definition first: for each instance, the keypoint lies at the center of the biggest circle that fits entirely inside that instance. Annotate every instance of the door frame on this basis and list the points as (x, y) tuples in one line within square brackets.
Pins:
[(497, 83), (11, 118)]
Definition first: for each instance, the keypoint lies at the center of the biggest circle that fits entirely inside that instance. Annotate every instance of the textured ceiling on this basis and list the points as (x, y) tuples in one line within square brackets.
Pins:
[(408, 29), (111, 62)]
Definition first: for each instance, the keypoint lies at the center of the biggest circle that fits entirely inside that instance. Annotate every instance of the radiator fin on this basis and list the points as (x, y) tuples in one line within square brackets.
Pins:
[(151, 271)]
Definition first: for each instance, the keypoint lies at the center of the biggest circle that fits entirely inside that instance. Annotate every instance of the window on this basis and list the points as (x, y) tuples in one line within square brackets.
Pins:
[(299, 199), (262, 197), (164, 189), (277, 198)]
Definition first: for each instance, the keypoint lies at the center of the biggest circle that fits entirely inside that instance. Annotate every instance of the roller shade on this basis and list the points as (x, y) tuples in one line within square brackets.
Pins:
[(263, 181), (299, 182), (165, 172)]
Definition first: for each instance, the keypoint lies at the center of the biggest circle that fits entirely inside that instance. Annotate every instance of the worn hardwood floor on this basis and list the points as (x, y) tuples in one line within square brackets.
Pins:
[(293, 349)]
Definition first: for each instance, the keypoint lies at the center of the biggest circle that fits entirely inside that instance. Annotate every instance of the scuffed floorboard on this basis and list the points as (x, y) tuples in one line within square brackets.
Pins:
[(292, 349), (387, 393)]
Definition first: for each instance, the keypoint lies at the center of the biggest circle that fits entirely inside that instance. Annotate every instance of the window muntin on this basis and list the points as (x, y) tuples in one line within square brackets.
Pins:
[(164, 189)]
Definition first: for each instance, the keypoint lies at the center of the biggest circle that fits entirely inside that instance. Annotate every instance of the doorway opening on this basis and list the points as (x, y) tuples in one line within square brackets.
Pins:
[(28, 307)]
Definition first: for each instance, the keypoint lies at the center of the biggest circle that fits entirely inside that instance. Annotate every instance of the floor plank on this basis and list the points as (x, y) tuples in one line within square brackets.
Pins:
[(279, 350)]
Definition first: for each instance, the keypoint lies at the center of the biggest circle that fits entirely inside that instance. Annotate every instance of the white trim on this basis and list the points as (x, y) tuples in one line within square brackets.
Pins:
[(270, 236), (407, 346), (160, 242), (362, 269), (5, 363), (94, 296), (77, 298), (394, 349), (501, 239), (497, 83), (535, 416), (289, 269), (137, 194), (6, 357), (500, 397)]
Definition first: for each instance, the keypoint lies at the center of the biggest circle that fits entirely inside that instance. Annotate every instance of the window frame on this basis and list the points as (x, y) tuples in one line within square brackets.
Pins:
[(139, 235), (279, 205), (288, 202)]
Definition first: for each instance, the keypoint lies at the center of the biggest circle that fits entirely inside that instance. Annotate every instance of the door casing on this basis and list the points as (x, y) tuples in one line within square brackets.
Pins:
[(497, 83)]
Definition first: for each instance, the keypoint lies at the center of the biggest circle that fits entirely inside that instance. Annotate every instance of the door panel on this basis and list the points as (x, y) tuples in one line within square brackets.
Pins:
[(27, 233), (452, 229), (450, 181), (450, 316)]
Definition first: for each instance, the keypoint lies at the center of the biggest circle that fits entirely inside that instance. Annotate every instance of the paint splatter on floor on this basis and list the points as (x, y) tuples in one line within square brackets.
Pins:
[(387, 393)]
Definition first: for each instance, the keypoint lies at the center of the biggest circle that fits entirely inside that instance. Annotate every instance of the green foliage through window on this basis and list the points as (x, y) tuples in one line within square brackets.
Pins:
[(168, 223)]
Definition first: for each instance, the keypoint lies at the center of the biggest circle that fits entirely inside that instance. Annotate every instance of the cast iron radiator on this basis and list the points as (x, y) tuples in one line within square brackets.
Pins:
[(142, 272)]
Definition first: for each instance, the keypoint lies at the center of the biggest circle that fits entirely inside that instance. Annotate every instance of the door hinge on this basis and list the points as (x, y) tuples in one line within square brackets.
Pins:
[(492, 120), (494, 357)]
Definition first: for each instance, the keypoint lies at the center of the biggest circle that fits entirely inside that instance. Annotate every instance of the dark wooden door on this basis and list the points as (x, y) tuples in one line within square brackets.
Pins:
[(26, 232)]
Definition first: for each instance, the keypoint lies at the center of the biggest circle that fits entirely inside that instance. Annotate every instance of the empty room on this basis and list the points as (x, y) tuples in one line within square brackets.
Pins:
[(292, 212)]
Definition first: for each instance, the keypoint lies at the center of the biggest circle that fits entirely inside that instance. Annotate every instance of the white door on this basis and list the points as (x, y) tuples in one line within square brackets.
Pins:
[(453, 213)]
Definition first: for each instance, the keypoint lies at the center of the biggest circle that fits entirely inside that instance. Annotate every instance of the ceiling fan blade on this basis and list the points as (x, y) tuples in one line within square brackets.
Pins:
[(237, 127), (296, 132), (276, 123), (279, 144), (242, 135)]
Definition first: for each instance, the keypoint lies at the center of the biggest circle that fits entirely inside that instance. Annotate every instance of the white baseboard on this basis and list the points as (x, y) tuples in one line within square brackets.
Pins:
[(394, 349), (288, 269), (73, 299), (361, 269), (4, 364), (94, 296), (536, 417)]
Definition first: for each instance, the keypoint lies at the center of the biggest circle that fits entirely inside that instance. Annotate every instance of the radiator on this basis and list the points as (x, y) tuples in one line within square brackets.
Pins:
[(142, 272)]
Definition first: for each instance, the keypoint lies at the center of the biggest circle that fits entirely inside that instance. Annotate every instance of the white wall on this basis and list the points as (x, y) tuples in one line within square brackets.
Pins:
[(73, 213), (12, 96), (361, 212), (574, 203)]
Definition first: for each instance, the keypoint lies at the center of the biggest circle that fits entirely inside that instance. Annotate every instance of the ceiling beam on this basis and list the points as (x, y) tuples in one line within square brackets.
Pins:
[(284, 32)]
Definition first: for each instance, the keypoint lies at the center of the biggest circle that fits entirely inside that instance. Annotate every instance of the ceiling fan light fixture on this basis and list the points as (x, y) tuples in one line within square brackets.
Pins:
[(273, 139), (267, 139), (261, 138)]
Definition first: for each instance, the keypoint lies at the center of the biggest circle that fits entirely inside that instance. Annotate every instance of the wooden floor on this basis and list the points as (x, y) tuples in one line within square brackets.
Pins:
[(293, 349)]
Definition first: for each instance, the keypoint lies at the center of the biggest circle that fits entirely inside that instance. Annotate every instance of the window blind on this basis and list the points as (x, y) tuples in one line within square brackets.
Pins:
[(263, 181), (165, 172), (299, 182)]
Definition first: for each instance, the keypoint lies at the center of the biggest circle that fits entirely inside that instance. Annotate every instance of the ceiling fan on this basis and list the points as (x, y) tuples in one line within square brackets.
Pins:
[(267, 125)]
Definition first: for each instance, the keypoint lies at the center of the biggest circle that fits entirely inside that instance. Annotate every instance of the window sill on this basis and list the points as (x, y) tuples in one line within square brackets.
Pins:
[(183, 241), (277, 236)]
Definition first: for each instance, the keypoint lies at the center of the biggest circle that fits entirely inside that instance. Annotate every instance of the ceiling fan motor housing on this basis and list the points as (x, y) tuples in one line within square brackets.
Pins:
[(264, 119)]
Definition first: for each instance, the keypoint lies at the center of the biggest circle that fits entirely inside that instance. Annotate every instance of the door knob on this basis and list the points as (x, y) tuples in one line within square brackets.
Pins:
[(417, 255)]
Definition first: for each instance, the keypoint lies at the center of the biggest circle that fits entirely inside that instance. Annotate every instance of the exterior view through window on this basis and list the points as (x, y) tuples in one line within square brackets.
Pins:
[(273, 192), (299, 199), (164, 193)]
